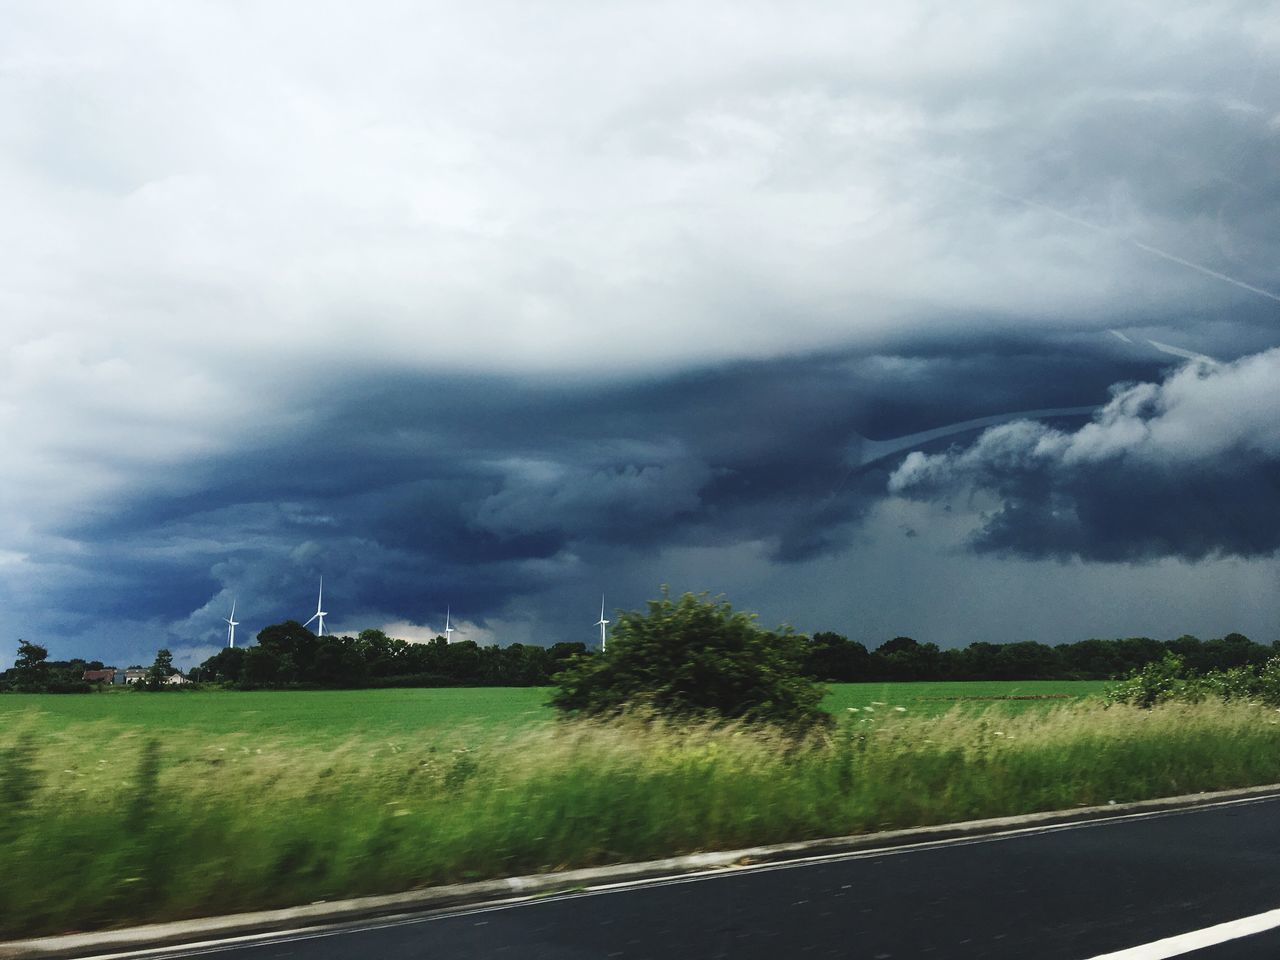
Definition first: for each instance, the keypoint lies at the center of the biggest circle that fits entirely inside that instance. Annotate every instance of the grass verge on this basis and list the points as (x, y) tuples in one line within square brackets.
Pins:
[(103, 825)]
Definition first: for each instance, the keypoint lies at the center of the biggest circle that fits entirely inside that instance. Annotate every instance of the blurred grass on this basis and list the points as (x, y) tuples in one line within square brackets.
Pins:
[(106, 823)]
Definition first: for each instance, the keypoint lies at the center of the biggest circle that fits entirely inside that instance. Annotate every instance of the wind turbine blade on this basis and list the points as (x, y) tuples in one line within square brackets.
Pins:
[(313, 616)]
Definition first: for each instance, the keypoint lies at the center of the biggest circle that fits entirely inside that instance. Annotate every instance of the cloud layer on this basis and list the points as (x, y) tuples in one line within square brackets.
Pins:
[(1188, 467), (482, 306)]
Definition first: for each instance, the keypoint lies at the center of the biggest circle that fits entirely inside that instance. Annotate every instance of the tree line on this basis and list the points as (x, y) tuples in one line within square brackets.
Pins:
[(288, 654), (833, 657)]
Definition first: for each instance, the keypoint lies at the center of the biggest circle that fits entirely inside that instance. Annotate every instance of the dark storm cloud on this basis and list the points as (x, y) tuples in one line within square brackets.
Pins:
[(488, 304), (1189, 467), (411, 494)]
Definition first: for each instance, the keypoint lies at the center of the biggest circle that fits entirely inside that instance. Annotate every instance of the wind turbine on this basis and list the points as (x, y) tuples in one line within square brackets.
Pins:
[(448, 630), (232, 623), (319, 614), (602, 623)]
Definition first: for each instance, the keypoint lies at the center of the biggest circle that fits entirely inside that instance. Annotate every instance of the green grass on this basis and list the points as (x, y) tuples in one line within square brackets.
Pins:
[(317, 714), (932, 699), (329, 714), (107, 820)]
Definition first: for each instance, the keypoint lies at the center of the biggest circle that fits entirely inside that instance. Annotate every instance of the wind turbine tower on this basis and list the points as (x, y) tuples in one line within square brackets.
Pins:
[(319, 614), (232, 623), (448, 630), (602, 623)]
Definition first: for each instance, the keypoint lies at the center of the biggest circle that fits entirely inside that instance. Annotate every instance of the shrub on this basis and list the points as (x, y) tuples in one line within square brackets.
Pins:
[(1158, 682), (695, 658), (1170, 679)]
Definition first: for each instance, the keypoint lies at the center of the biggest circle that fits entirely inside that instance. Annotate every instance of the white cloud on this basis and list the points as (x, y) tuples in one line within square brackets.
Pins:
[(1199, 416)]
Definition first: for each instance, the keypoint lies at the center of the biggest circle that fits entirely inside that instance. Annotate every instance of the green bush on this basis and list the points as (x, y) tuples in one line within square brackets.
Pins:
[(696, 658), (1170, 679)]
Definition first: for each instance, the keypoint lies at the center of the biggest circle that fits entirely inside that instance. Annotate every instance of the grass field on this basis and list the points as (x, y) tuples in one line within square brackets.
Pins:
[(319, 714), (404, 713), (128, 807), (932, 699)]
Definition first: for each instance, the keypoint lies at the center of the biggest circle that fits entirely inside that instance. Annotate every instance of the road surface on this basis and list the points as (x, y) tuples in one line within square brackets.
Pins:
[(1073, 893)]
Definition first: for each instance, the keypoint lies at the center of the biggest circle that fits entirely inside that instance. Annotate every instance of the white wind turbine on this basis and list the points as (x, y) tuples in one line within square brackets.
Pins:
[(319, 614), (448, 630), (602, 623), (232, 623)]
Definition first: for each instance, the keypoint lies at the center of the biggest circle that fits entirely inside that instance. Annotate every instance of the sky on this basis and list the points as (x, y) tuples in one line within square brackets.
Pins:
[(494, 308)]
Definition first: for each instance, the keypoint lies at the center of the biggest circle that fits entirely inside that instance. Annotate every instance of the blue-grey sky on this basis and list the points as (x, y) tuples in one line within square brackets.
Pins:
[(496, 307)]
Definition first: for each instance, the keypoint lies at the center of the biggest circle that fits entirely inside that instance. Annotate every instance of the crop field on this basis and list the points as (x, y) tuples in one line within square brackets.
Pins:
[(126, 807), (330, 714), (1010, 697), (304, 714)]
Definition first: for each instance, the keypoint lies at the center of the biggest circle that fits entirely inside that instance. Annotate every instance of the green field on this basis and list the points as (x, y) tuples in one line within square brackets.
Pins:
[(126, 807), (934, 699), (304, 714), (402, 713)]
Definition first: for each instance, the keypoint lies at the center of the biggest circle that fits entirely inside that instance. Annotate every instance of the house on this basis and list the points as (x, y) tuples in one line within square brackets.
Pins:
[(176, 678), (131, 676), (100, 676)]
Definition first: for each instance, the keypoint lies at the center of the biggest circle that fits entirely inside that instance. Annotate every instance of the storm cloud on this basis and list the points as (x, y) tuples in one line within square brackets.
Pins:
[(474, 306), (1187, 467)]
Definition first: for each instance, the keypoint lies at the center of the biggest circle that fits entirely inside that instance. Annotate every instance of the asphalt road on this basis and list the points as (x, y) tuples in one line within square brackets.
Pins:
[(1071, 893)]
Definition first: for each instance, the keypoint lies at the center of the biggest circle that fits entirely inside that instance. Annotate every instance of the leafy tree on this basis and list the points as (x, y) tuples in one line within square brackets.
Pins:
[(833, 657), (264, 667), (902, 658), (691, 658), (338, 664), (160, 671), (30, 669), (224, 666)]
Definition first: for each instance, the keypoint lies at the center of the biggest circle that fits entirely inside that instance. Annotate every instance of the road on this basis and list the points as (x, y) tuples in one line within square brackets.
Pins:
[(1072, 893)]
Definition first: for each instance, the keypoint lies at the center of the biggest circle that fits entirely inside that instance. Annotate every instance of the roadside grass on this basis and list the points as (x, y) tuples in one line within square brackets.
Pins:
[(104, 824)]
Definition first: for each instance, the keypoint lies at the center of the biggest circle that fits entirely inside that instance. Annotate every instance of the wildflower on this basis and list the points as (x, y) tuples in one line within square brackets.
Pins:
[(901, 709), (868, 709)]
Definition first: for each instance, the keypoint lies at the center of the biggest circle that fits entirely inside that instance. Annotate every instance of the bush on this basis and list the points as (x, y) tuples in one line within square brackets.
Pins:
[(695, 658), (1158, 682), (1170, 679)]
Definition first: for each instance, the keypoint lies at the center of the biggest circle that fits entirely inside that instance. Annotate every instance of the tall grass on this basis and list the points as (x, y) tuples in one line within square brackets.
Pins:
[(103, 825)]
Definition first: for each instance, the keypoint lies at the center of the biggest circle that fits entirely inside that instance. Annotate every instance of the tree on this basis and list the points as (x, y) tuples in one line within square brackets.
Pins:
[(695, 658), (902, 658), (30, 667), (264, 667), (832, 656), (224, 666), (160, 671)]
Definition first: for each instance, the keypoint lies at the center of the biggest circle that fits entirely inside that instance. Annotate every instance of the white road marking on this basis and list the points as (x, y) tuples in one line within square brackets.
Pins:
[(1198, 939)]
